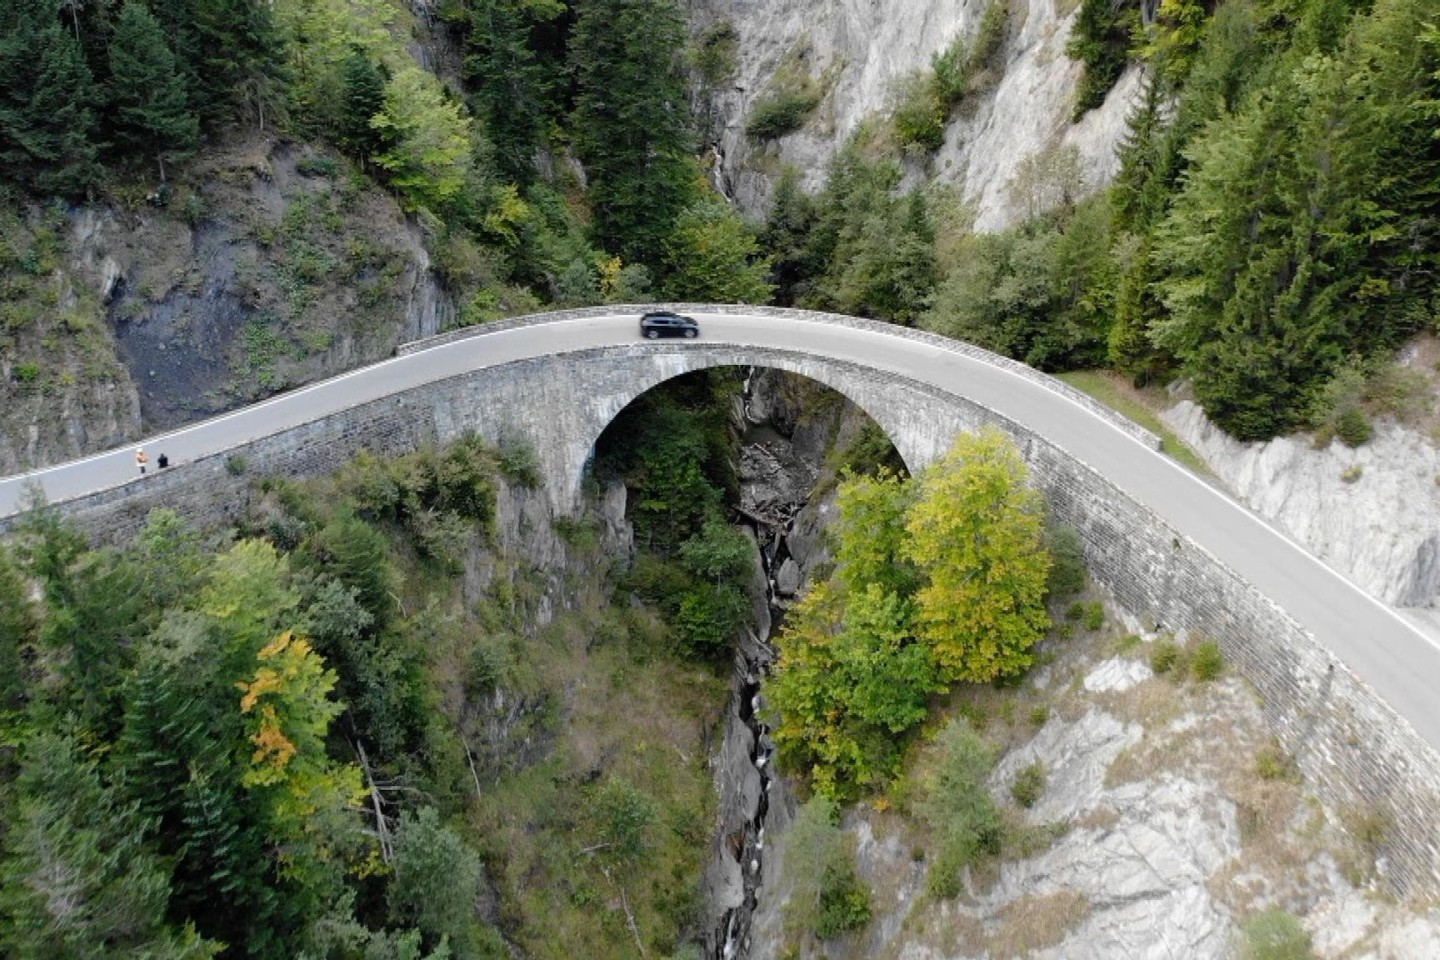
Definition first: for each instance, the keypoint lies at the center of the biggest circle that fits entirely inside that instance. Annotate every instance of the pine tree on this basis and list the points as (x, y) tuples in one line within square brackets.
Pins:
[(47, 124), (147, 90), (632, 123)]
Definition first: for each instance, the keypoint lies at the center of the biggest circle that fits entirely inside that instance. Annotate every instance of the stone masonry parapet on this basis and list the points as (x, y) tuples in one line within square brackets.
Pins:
[(968, 350)]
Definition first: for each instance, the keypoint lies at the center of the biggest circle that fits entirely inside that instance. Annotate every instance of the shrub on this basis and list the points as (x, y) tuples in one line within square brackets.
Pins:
[(1273, 763), (781, 112), (1165, 657), (1353, 427), (1067, 566), (715, 53), (1207, 661), (844, 901), (955, 803), (317, 165), (583, 535), (1351, 473), (26, 373), (827, 897), (919, 115), (1039, 716), (1275, 935), (235, 464), (519, 462), (1094, 615), (1029, 785)]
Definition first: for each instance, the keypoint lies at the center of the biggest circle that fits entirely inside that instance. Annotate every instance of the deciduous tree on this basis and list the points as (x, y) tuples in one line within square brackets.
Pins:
[(976, 534)]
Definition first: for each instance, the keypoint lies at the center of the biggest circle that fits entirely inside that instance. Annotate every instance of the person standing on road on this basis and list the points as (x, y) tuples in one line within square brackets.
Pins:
[(141, 459)]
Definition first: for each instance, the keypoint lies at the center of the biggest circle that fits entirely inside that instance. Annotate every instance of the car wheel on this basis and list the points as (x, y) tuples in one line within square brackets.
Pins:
[(651, 334), (691, 334)]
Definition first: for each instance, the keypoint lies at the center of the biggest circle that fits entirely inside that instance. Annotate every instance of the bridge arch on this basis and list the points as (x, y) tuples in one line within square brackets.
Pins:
[(562, 413), (652, 378)]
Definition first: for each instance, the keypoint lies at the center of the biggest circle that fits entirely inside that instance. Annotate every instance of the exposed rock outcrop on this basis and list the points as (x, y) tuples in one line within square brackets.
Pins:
[(868, 48), (1371, 511)]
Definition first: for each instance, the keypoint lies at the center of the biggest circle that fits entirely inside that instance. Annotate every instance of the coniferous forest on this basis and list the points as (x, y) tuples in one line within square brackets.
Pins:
[(254, 743)]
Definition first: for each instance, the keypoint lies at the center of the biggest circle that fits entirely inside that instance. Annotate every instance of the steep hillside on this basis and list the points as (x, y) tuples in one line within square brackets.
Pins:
[(857, 59)]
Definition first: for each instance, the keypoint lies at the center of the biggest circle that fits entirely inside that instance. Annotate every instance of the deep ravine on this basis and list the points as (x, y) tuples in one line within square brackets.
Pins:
[(774, 486)]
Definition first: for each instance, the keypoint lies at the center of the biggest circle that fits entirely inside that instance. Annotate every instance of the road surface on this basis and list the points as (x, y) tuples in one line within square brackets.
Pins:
[(1398, 660)]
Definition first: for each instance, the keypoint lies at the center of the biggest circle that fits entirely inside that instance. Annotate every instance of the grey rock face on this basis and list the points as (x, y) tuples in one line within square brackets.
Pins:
[(869, 49), (1372, 511)]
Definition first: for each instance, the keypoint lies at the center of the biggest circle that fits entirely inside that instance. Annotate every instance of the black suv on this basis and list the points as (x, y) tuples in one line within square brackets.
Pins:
[(663, 323)]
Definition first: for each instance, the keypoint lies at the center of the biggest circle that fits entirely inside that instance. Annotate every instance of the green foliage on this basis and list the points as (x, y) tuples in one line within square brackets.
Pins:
[(77, 880), (711, 257), (48, 129), (955, 804), (976, 534), (515, 93), (870, 452), (1207, 662), (782, 111), (919, 114), (1274, 935), (716, 52), (925, 101), (631, 128), (149, 94), (1067, 570), (19, 628), (623, 816), (859, 247), (520, 463), (1281, 255), (860, 655), (870, 534), (1103, 34), (427, 137), (1042, 293), (1029, 785), (1353, 427), (437, 879), (826, 897), (362, 99), (1165, 656)]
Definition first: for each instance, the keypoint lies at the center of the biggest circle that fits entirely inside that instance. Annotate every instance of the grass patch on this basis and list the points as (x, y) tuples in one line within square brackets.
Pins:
[(1111, 390)]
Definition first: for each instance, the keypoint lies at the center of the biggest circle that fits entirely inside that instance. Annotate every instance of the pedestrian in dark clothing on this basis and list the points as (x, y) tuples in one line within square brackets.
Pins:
[(162, 461)]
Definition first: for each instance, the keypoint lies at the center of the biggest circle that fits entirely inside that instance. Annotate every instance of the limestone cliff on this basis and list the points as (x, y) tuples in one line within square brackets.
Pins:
[(1373, 512), (860, 50)]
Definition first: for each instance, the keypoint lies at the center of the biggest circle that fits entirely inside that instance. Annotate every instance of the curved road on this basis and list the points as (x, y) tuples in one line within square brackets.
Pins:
[(1389, 653)]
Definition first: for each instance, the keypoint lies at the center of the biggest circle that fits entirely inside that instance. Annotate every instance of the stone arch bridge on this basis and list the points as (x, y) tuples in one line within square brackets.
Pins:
[(1348, 684)]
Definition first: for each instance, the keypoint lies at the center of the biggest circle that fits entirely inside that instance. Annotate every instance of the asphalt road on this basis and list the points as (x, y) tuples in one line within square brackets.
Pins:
[(1398, 660)]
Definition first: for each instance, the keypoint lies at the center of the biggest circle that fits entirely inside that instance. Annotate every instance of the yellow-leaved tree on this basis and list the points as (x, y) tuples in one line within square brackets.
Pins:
[(287, 708), (975, 531)]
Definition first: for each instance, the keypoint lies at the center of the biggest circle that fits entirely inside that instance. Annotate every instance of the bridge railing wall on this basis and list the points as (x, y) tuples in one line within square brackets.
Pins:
[(960, 347)]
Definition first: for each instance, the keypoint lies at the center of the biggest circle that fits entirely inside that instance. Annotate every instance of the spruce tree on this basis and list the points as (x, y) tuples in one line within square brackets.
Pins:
[(362, 96), (147, 90), (47, 122), (632, 124), (241, 57), (77, 881), (509, 82)]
